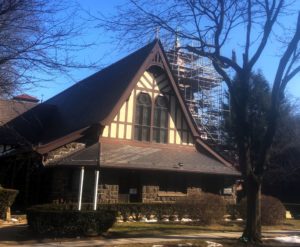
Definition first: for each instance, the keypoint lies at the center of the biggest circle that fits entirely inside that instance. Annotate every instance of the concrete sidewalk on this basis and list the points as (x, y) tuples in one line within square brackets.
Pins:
[(214, 236)]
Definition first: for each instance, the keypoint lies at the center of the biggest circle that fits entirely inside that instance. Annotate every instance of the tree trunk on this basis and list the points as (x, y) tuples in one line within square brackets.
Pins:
[(252, 232)]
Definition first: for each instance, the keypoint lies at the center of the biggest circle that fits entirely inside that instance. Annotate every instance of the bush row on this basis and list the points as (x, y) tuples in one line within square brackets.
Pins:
[(126, 211), (55, 220), (204, 209), (7, 197)]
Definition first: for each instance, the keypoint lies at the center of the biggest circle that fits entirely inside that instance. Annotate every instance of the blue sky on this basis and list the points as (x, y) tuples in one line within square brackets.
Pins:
[(106, 53)]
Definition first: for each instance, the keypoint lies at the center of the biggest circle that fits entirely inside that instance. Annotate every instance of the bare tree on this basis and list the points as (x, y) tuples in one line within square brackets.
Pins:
[(213, 25), (37, 38)]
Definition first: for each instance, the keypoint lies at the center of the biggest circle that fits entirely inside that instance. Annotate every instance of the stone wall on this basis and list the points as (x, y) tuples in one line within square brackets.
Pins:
[(193, 191), (153, 194), (169, 196), (108, 193), (66, 182), (150, 194)]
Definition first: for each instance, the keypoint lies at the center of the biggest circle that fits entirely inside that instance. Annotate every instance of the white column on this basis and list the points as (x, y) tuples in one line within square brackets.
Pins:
[(96, 189), (80, 188)]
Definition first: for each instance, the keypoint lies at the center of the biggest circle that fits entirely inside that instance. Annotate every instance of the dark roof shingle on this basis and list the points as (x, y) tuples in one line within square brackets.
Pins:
[(85, 103), (139, 156)]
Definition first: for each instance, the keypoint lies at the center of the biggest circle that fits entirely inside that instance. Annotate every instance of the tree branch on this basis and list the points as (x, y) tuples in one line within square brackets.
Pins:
[(271, 18)]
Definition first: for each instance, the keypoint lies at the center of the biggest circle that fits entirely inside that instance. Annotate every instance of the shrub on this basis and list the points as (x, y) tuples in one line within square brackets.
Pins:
[(272, 210), (139, 210), (233, 211), (7, 198), (57, 220), (206, 208)]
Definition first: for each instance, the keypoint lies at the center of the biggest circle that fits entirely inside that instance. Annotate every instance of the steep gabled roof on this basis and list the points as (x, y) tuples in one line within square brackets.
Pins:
[(10, 109), (95, 100), (85, 103)]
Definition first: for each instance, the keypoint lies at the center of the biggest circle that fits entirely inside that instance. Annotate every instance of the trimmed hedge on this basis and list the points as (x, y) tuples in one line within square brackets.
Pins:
[(272, 210), (139, 210), (205, 208), (55, 220), (66, 220), (7, 198), (127, 210)]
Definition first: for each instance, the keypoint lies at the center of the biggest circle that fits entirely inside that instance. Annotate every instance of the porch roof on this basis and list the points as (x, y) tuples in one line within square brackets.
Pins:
[(145, 156)]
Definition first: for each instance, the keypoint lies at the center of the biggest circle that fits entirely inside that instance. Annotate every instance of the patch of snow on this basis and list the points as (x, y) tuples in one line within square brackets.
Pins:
[(151, 220), (288, 215), (144, 219), (213, 244), (14, 220), (288, 239), (186, 220)]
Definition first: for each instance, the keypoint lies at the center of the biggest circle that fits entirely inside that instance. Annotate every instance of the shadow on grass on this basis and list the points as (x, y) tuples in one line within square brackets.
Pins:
[(21, 234), (17, 233)]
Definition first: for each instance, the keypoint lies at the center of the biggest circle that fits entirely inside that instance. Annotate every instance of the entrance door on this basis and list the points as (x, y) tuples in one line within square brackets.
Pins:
[(130, 184)]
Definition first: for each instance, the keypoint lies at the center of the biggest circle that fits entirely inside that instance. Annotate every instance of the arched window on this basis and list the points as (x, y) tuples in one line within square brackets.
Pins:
[(142, 117), (160, 121)]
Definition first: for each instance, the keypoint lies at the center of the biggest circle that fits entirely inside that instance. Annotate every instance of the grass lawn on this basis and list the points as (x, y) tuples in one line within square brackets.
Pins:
[(21, 234), (140, 229), (287, 225)]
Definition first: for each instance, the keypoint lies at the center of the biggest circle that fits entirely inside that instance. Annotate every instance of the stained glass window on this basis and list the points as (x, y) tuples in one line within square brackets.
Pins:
[(160, 121), (142, 118)]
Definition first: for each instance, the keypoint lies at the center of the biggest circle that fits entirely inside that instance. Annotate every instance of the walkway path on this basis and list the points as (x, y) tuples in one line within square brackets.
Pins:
[(7, 241)]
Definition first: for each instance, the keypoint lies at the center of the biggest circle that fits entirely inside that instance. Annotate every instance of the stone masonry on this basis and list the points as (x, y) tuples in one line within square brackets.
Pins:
[(150, 194), (193, 191), (108, 193), (153, 194)]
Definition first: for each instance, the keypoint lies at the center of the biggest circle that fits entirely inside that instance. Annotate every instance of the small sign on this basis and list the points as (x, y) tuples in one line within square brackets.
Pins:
[(133, 191), (227, 191)]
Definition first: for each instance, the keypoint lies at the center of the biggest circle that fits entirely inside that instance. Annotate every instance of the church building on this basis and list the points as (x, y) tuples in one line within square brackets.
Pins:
[(124, 134)]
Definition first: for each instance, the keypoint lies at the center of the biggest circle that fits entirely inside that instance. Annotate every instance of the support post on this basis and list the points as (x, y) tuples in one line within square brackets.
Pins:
[(80, 188), (96, 189)]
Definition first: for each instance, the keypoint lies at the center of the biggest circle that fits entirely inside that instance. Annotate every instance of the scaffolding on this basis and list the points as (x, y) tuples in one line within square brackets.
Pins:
[(202, 90)]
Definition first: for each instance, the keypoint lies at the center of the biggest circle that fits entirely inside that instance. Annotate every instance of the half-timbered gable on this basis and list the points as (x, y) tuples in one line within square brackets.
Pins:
[(152, 109)]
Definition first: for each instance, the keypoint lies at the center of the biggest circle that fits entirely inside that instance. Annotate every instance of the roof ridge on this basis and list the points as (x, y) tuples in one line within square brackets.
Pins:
[(103, 69)]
